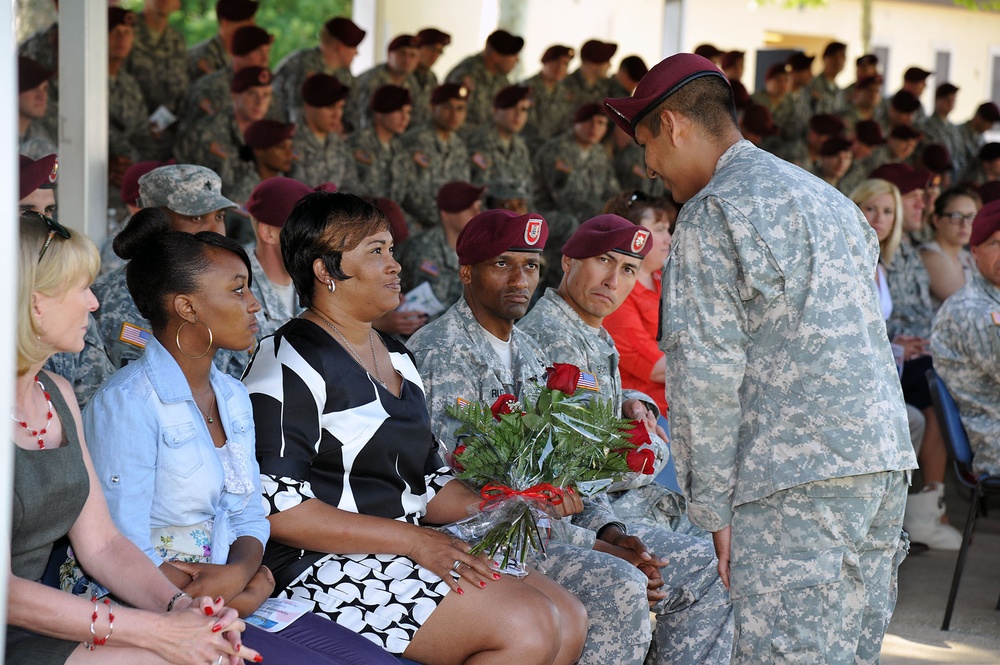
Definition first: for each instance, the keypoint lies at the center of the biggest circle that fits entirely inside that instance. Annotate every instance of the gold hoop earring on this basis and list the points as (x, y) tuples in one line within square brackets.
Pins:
[(330, 285), (177, 339)]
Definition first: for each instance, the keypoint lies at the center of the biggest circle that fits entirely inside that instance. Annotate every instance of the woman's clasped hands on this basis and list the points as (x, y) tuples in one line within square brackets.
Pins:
[(202, 632)]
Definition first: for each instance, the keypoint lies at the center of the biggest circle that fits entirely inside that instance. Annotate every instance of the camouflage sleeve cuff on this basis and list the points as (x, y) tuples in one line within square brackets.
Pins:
[(710, 519)]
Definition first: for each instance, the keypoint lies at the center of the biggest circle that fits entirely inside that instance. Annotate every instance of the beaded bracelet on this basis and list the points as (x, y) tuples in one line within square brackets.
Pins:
[(179, 594), (100, 641)]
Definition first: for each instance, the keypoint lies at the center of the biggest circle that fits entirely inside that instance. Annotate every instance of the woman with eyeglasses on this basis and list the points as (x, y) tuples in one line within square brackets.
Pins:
[(57, 493), (173, 436), (946, 258)]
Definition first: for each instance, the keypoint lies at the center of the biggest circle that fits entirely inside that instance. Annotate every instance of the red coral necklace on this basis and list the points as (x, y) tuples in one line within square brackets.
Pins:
[(38, 434)]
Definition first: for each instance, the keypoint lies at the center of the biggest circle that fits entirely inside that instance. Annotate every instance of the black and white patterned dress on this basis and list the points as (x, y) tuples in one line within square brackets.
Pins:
[(327, 431)]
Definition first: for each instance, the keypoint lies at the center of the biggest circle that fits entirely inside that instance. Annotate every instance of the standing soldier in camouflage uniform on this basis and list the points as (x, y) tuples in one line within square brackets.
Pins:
[(269, 205), (338, 44), (158, 63), (867, 138), (548, 98), (485, 74), (439, 154), (474, 352), (573, 171), (966, 345), (863, 102), (32, 101), (250, 47), (213, 54), (914, 83), (87, 370), (320, 154), (937, 128), (218, 141), (383, 163), (43, 48), (430, 256), (589, 84), (432, 43), (970, 135), (192, 198), (793, 113), (495, 149), (788, 424), (402, 59), (825, 95)]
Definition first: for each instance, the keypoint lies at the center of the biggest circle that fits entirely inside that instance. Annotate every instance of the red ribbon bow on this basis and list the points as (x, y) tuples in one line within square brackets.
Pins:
[(540, 492)]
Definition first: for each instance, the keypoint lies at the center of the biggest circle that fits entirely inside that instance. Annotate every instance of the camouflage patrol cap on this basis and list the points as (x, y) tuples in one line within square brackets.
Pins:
[(272, 200), (608, 233), (449, 91), (493, 232), (322, 90), (597, 51), (986, 223), (37, 174), (30, 74), (557, 51), (235, 10), (250, 77), (457, 196), (505, 43), (344, 30), (187, 189), (248, 39), (663, 80), (433, 36)]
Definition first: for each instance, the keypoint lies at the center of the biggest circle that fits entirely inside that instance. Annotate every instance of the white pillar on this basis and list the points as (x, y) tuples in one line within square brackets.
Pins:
[(8, 277), (83, 117)]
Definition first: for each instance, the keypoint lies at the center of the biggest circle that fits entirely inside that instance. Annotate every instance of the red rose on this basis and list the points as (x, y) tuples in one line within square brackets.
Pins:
[(641, 460), (501, 407), (638, 435), (562, 377), (459, 449)]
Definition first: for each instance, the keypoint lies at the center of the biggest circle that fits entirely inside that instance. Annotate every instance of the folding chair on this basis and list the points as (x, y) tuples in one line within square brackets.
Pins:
[(957, 443)]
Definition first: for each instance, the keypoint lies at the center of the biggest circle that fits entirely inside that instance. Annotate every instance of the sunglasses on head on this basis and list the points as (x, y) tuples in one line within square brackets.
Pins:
[(55, 229)]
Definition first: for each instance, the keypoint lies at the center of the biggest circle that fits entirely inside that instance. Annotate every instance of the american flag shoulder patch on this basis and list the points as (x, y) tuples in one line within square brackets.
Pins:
[(461, 402), (134, 335), (429, 267), (996, 318), (588, 382)]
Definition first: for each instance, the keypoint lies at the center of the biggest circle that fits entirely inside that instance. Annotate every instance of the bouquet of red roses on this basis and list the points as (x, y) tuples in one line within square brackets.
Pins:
[(523, 454)]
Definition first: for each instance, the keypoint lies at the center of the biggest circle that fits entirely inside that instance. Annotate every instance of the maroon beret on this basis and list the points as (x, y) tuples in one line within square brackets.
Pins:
[(344, 30), (874, 81), (249, 38), (741, 96), (915, 74), (323, 90), (989, 152), (37, 174), (904, 133), (989, 112), (707, 51), (945, 89), (403, 41), (586, 112), (429, 36), (663, 80), (904, 102), (608, 233), (597, 51), (833, 48), (326, 187), (457, 196), (250, 77), (777, 69), (834, 146), (393, 213), (493, 232), (236, 10), (757, 118), (800, 62), (130, 181), (826, 124), (272, 200), (556, 52), (869, 132), (634, 67), (867, 59), (390, 98), (30, 74), (118, 16), (990, 191), (264, 134), (902, 176), (505, 43), (449, 91), (509, 97), (731, 58), (937, 158), (986, 223)]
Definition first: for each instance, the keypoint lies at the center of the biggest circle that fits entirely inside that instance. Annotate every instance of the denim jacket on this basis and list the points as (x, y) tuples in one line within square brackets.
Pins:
[(156, 460)]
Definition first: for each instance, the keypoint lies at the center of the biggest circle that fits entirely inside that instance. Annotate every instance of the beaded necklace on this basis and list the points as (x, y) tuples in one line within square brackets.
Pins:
[(38, 434)]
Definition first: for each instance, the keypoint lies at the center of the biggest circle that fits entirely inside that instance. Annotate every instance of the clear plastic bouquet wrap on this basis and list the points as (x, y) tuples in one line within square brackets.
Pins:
[(523, 454)]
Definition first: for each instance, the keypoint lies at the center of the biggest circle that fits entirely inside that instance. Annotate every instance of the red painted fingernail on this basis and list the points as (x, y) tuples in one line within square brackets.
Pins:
[(482, 584), (570, 490), (459, 591), (496, 576), (217, 627), (209, 611), (239, 646), (219, 599), (258, 658)]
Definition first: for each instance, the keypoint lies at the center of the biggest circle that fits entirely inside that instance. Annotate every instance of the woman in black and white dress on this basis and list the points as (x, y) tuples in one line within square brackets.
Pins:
[(351, 471)]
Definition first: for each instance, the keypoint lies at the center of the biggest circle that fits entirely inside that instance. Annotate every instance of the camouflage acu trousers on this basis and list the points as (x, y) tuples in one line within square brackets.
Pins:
[(813, 570)]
